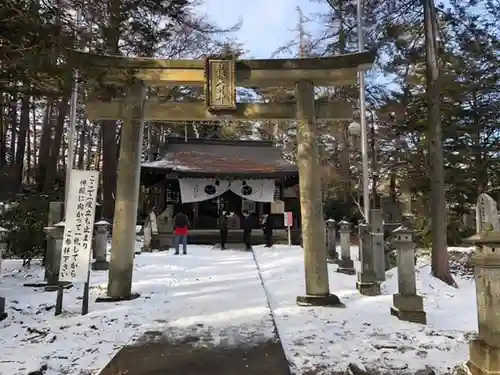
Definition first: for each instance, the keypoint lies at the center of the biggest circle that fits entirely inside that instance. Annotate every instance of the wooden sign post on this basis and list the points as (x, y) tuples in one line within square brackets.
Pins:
[(78, 231)]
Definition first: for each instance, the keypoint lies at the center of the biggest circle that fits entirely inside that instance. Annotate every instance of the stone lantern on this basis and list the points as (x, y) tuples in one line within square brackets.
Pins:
[(367, 283), (484, 350), (407, 305), (101, 246), (346, 264)]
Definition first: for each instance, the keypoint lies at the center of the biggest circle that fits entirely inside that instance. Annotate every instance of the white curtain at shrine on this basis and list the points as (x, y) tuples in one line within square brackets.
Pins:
[(254, 190), (201, 189)]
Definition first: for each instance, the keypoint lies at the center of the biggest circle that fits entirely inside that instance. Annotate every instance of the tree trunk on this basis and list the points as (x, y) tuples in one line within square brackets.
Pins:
[(345, 171), (480, 154), (439, 259), (34, 144), (24, 125), (3, 131), (63, 108), (81, 147), (109, 148), (44, 153), (13, 130), (109, 167)]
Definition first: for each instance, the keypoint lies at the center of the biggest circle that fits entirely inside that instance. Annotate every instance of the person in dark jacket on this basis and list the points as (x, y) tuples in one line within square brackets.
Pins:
[(181, 225), (247, 230), (223, 229), (267, 228)]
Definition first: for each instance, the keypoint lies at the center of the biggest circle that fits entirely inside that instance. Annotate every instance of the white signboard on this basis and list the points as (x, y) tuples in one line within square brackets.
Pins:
[(288, 219), (79, 226)]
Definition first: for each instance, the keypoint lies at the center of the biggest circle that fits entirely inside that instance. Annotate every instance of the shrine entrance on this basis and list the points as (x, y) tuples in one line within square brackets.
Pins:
[(219, 76)]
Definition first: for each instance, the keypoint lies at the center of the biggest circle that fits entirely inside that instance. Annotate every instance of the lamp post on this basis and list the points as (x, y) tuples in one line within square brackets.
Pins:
[(362, 109), (356, 129)]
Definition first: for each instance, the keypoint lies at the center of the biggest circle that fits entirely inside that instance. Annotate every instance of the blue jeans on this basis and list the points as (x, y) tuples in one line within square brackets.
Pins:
[(177, 242)]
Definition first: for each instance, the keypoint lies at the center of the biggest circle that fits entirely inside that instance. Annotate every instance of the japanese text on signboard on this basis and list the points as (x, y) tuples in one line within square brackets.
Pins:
[(79, 225)]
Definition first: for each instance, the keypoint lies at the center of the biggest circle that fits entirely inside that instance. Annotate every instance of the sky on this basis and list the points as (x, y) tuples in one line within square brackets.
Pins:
[(267, 24)]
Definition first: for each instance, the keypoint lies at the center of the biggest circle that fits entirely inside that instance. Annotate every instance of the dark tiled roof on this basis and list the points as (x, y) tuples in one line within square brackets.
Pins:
[(221, 157)]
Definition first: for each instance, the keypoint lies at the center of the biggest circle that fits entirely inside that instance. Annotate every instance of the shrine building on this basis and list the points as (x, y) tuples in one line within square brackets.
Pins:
[(205, 176)]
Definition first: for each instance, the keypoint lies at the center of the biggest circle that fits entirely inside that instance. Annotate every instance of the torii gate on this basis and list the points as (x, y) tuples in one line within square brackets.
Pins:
[(220, 75)]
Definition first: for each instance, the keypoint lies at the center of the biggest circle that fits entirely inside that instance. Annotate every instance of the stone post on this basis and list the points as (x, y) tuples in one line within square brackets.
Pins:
[(3, 314), (3, 244), (101, 246), (346, 265), (367, 283), (311, 206), (127, 195), (407, 305), (55, 236), (331, 240), (148, 237), (377, 234), (484, 349)]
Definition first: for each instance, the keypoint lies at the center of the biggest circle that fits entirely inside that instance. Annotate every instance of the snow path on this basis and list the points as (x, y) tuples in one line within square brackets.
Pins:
[(364, 332), (206, 290)]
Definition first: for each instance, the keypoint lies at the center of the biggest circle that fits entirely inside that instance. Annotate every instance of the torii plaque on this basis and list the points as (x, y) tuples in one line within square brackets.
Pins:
[(220, 84)]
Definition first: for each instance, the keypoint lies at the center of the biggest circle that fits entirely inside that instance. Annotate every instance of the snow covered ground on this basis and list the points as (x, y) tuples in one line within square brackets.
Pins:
[(220, 291), (205, 290), (364, 332)]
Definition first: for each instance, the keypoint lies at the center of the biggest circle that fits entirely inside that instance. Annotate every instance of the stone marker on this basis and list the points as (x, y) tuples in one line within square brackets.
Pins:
[(367, 283), (101, 246), (331, 240), (56, 215), (53, 259), (407, 305), (486, 214), (484, 349), (346, 264), (166, 228), (377, 234)]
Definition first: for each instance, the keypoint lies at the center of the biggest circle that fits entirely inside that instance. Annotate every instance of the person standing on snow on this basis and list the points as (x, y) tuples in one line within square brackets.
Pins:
[(181, 225), (223, 230), (247, 230), (267, 228)]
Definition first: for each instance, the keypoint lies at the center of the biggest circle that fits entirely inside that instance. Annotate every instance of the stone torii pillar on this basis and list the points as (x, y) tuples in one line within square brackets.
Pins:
[(127, 196), (311, 206)]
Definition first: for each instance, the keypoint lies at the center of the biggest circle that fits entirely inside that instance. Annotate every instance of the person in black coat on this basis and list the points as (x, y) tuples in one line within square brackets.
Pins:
[(247, 225), (267, 228), (223, 230)]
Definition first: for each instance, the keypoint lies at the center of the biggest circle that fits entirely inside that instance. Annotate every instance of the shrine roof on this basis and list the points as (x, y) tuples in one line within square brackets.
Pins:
[(218, 157)]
